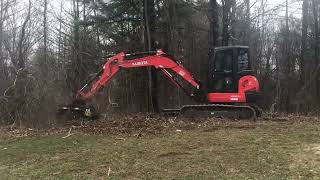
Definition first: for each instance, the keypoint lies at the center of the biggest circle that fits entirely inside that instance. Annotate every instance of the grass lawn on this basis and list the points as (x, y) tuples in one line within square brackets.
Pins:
[(233, 150)]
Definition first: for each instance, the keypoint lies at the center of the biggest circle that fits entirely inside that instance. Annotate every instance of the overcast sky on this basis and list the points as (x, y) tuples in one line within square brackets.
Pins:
[(295, 9), (294, 5)]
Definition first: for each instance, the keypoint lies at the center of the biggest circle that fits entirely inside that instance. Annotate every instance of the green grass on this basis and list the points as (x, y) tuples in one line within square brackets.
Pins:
[(261, 150)]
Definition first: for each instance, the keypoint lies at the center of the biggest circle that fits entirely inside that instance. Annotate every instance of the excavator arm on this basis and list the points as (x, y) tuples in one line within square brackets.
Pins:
[(157, 59)]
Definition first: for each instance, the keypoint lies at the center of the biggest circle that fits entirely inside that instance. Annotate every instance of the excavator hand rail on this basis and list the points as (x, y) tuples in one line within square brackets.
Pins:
[(140, 53)]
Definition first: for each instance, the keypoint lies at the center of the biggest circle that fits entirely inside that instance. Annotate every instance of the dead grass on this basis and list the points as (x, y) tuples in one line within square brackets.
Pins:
[(200, 149)]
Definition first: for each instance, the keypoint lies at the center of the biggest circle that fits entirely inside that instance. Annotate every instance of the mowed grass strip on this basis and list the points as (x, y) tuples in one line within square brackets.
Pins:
[(238, 150)]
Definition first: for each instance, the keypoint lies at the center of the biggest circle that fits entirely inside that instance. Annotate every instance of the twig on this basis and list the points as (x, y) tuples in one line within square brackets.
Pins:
[(109, 171), (13, 85), (69, 134)]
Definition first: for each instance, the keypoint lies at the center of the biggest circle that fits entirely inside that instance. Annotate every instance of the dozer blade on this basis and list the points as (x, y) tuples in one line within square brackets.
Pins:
[(214, 110)]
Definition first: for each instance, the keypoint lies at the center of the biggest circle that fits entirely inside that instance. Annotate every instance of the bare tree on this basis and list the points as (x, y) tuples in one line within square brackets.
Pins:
[(23, 35), (45, 39)]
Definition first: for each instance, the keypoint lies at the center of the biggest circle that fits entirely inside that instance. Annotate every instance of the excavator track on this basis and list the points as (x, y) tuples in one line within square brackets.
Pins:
[(215, 110), (189, 111)]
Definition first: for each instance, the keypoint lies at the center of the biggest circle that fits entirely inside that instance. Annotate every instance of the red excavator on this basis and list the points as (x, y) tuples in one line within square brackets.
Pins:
[(231, 91)]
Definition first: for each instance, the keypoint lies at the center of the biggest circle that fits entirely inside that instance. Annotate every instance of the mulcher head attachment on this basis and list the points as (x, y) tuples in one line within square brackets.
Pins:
[(78, 109)]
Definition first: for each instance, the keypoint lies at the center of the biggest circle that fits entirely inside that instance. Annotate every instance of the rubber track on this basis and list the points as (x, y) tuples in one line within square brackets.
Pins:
[(214, 108)]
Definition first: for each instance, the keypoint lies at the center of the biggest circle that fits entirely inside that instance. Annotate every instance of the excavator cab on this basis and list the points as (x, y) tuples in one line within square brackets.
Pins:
[(229, 64), (227, 70)]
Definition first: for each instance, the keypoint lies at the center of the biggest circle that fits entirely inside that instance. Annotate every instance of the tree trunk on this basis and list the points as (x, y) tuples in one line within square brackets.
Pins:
[(77, 75), (149, 19), (45, 38), (287, 65), (262, 35), (2, 65), (214, 25), (315, 9), (21, 55), (232, 20), (247, 31), (305, 8), (213, 32), (60, 33), (226, 7)]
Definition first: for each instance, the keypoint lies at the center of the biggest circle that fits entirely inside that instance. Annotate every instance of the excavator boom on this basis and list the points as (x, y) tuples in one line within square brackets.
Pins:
[(157, 59)]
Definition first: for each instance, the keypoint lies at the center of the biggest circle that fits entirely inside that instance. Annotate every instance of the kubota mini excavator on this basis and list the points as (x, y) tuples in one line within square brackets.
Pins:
[(231, 91)]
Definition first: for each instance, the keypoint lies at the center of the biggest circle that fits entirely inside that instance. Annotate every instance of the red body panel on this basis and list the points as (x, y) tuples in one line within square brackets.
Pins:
[(246, 83), (226, 97)]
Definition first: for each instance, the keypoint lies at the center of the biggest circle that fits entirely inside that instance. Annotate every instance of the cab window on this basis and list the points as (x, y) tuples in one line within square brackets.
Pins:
[(243, 60), (223, 61)]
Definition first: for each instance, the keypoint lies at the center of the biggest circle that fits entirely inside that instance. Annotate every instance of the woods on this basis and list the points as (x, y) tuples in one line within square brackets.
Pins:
[(49, 49)]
